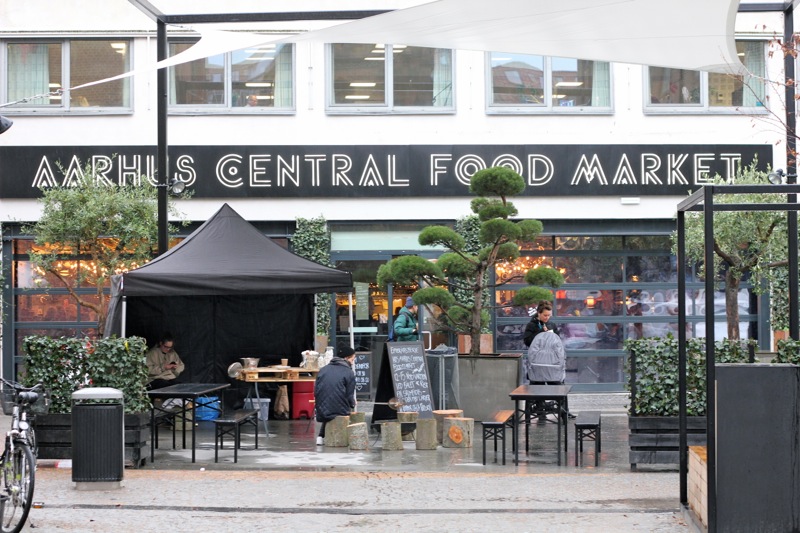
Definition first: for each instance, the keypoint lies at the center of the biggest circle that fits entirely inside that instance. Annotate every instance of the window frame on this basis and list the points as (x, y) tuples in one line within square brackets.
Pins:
[(387, 107), (548, 108), (227, 107), (28, 105), (704, 107)]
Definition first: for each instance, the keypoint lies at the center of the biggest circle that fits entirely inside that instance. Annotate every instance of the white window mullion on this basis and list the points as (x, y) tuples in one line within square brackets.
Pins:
[(388, 54)]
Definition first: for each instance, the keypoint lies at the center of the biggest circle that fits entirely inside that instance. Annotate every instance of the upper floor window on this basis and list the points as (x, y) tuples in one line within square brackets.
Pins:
[(39, 67), (524, 83), (398, 78), (702, 91), (247, 80)]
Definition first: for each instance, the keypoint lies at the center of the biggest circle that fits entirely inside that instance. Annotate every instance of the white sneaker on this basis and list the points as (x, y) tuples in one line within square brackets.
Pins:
[(320, 441)]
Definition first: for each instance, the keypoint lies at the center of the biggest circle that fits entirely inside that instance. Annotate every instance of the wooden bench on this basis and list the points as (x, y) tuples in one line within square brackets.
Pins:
[(587, 426), (230, 422), (494, 427)]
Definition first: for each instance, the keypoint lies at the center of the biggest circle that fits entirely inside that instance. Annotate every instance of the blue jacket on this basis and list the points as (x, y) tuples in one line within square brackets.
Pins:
[(404, 326), (335, 390)]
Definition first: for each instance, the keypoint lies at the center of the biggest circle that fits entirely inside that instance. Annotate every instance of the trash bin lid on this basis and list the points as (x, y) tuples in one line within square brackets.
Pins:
[(97, 393)]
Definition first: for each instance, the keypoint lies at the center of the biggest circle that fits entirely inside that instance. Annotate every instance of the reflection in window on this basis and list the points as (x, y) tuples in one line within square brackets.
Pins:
[(549, 83), (671, 87), (515, 272), (36, 68), (391, 76), (595, 370), (590, 269), (651, 268), (259, 77)]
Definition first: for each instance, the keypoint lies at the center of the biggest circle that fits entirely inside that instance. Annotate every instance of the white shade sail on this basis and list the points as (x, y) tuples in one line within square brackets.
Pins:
[(686, 34)]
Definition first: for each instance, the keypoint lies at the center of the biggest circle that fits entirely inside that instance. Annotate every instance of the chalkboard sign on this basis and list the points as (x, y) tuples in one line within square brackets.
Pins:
[(404, 375), (363, 375)]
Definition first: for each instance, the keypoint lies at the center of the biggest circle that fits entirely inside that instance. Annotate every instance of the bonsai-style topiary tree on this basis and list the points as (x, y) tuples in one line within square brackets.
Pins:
[(459, 269)]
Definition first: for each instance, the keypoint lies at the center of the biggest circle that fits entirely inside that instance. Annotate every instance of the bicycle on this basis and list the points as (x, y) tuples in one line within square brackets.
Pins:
[(18, 461)]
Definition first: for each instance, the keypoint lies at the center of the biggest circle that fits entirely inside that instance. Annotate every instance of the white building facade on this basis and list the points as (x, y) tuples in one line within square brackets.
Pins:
[(381, 140)]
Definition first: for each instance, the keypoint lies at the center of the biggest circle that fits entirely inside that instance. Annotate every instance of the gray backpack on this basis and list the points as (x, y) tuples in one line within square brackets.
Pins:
[(546, 360)]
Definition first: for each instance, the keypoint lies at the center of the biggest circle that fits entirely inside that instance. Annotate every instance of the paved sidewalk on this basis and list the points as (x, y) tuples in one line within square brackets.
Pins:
[(289, 483)]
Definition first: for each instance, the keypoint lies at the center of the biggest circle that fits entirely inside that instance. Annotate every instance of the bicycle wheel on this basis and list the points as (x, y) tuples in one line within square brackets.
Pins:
[(19, 473)]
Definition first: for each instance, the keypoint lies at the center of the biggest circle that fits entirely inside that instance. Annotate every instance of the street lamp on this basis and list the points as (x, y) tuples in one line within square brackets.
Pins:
[(5, 123)]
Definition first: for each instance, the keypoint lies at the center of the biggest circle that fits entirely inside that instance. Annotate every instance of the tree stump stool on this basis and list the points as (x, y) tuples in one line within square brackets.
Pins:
[(358, 435), (440, 415), (357, 417), (458, 432), (410, 416), (391, 437), (426, 434), (336, 432)]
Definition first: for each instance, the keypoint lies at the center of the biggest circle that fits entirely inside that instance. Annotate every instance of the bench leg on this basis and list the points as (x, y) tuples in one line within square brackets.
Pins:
[(484, 446), (255, 423), (236, 443), (597, 446), (217, 438), (503, 442), (577, 446)]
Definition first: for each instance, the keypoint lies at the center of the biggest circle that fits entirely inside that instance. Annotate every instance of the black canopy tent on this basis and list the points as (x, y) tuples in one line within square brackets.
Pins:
[(225, 292)]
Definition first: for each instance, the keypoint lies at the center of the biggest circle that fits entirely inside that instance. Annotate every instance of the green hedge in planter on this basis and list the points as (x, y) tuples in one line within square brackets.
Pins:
[(788, 352), (656, 379), (67, 364)]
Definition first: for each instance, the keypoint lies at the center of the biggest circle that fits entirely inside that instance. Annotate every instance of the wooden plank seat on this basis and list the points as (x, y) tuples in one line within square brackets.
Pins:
[(587, 427), (229, 423), (494, 427)]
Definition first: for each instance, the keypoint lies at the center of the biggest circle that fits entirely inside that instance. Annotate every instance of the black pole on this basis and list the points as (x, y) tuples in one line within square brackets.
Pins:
[(711, 472), (682, 421), (791, 168), (162, 170)]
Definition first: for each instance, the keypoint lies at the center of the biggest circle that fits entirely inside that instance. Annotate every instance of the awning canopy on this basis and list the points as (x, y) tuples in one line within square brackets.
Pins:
[(682, 34)]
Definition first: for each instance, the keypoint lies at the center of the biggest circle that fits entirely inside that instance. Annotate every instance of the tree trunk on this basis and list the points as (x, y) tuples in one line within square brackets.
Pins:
[(426, 434), (731, 304)]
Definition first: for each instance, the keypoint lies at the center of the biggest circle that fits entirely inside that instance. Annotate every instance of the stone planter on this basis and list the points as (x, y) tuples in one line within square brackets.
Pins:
[(54, 436), (465, 343), (654, 439)]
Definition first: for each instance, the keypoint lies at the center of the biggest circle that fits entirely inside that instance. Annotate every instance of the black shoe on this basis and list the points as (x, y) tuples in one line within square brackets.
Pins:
[(570, 415)]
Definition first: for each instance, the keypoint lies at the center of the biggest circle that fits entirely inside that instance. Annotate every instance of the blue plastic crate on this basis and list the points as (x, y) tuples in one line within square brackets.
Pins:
[(210, 409)]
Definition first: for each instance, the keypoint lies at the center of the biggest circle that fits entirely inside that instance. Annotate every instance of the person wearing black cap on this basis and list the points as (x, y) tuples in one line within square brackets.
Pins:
[(335, 389), (405, 327)]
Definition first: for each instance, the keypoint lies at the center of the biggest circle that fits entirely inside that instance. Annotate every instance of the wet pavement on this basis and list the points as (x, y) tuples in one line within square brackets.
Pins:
[(289, 483)]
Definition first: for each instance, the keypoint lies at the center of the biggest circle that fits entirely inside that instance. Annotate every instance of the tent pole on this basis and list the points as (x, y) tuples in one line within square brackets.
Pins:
[(314, 338), (124, 315), (352, 337)]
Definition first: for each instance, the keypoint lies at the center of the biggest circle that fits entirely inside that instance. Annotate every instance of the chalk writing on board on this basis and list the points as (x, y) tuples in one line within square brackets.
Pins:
[(410, 377), (362, 371)]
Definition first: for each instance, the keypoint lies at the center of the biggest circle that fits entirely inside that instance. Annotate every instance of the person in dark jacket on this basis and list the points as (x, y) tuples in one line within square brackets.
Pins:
[(405, 327), (540, 322), (335, 389)]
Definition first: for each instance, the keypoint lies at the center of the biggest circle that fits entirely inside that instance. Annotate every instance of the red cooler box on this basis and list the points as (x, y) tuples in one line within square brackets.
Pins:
[(303, 399)]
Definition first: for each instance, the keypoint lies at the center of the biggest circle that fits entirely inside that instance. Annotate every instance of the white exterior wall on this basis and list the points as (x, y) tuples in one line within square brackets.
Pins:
[(310, 125)]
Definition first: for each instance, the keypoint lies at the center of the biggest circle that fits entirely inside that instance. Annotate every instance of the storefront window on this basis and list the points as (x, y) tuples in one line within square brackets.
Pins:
[(36, 68), (391, 76), (249, 79), (671, 87), (548, 83), (590, 268)]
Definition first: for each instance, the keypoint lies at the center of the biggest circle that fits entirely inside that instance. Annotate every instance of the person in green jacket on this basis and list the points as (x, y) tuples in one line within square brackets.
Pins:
[(405, 327)]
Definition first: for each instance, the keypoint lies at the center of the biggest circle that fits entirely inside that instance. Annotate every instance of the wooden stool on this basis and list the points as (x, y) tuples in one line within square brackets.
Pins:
[(587, 426)]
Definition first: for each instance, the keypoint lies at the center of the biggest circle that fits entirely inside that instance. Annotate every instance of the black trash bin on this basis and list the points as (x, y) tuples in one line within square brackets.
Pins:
[(98, 435)]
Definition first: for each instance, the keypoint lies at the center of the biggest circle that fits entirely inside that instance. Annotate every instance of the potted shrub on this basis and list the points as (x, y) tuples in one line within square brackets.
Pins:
[(653, 384), (65, 365)]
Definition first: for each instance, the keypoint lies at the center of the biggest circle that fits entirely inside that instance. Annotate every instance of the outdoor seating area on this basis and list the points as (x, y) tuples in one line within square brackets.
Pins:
[(291, 444)]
